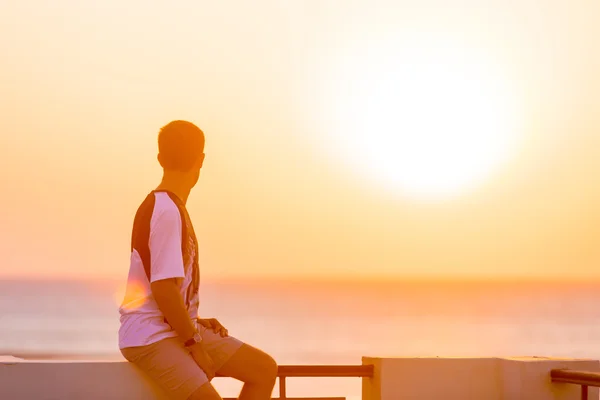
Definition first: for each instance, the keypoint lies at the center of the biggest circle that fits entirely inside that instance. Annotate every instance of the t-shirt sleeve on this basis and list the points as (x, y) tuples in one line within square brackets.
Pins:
[(165, 245)]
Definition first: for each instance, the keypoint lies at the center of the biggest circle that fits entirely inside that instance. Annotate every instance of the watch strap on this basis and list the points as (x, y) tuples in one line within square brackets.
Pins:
[(193, 340)]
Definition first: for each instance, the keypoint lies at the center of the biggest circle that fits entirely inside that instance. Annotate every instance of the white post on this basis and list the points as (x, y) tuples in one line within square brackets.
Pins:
[(432, 378)]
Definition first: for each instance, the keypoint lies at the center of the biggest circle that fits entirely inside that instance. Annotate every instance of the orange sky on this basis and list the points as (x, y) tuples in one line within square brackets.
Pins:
[(86, 85)]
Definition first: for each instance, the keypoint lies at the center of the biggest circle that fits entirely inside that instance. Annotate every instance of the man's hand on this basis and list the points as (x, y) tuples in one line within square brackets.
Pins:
[(203, 360), (212, 323)]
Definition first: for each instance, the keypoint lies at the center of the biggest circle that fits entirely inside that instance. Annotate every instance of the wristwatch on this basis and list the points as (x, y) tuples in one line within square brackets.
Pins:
[(195, 339)]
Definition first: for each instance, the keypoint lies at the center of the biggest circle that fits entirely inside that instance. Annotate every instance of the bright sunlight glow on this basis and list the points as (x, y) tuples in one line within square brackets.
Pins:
[(430, 120)]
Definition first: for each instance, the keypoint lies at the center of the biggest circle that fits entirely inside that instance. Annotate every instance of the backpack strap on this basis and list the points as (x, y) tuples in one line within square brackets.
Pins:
[(140, 236), (183, 217), (185, 244)]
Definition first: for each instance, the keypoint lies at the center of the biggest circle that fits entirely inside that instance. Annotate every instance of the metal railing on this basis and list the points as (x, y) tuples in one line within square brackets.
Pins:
[(583, 378), (319, 371)]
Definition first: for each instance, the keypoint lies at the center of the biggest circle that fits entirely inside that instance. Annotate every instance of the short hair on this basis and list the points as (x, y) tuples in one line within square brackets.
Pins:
[(180, 143)]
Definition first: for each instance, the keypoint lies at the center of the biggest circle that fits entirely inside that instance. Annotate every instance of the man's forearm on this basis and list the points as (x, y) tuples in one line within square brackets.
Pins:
[(168, 297)]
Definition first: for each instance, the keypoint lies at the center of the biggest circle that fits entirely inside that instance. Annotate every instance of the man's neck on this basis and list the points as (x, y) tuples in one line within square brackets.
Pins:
[(175, 185)]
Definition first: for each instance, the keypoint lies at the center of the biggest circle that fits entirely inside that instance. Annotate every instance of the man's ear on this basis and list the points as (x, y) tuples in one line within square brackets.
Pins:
[(159, 158), (201, 160)]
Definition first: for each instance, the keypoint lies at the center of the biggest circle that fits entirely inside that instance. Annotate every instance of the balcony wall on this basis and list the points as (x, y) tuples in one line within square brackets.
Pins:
[(432, 378)]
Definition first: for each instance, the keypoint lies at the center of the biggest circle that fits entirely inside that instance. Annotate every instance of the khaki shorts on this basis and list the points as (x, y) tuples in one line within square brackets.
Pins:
[(170, 364)]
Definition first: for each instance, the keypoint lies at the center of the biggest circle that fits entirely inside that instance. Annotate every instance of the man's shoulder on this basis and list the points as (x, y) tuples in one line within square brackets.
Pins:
[(157, 205), (165, 214), (158, 201), (163, 203)]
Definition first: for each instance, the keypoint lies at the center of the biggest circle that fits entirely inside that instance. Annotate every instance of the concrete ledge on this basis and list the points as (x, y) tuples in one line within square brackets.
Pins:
[(421, 378), (516, 378), (75, 380), (433, 378)]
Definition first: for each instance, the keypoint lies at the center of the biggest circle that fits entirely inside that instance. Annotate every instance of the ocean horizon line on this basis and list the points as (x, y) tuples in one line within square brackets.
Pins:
[(352, 280)]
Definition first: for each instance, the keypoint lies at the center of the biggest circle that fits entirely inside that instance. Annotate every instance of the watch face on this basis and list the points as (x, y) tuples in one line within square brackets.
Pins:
[(195, 339)]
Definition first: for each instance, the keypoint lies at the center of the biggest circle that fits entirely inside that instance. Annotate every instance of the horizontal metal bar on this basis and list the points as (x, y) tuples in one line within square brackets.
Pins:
[(583, 378), (331, 371), (298, 398), (327, 371)]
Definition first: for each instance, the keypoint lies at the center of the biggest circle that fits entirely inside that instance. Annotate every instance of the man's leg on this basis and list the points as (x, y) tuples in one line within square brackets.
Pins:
[(170, 365), (255, 368), (205, 392)]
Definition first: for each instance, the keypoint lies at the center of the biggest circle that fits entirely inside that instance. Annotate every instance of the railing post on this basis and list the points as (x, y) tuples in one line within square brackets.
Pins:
[(282, 395), (584, 392)]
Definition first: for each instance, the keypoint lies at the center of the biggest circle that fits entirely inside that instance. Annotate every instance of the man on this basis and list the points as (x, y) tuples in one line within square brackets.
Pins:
[(161, 331)]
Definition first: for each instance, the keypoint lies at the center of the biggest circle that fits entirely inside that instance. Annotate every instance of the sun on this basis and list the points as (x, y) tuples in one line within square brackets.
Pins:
[(431, 119)]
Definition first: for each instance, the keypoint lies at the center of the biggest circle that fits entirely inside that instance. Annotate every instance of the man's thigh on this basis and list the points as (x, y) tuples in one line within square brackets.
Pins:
[(249, 364), (170, 365), (220, 349)]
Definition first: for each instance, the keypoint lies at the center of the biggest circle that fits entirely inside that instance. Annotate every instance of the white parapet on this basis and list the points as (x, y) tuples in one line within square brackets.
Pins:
[(74, 380), (421, 378), (434, 378)]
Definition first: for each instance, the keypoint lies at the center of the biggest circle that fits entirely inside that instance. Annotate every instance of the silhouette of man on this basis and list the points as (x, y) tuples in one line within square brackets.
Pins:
[(161, 331)]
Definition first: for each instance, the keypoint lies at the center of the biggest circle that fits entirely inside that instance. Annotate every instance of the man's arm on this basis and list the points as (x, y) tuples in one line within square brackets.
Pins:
[(168, 298), (167, 294), (167, 274), (167, 270)]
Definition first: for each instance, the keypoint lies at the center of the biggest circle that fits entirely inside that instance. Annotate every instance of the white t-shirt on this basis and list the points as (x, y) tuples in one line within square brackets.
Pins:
[(158, 252)]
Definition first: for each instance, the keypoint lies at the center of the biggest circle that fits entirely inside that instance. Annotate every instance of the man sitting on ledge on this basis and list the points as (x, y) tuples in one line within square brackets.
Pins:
[(160, 329)]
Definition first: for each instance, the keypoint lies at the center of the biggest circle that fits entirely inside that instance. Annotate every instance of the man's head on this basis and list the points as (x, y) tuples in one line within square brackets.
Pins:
[(181, 149)]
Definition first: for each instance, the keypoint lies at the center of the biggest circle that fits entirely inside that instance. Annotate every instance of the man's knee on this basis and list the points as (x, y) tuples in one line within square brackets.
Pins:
[(271, 368), (205, 392), (264, 371)]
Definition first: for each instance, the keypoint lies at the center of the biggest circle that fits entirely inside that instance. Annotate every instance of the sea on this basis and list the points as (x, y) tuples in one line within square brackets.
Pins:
[(321, 322)]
